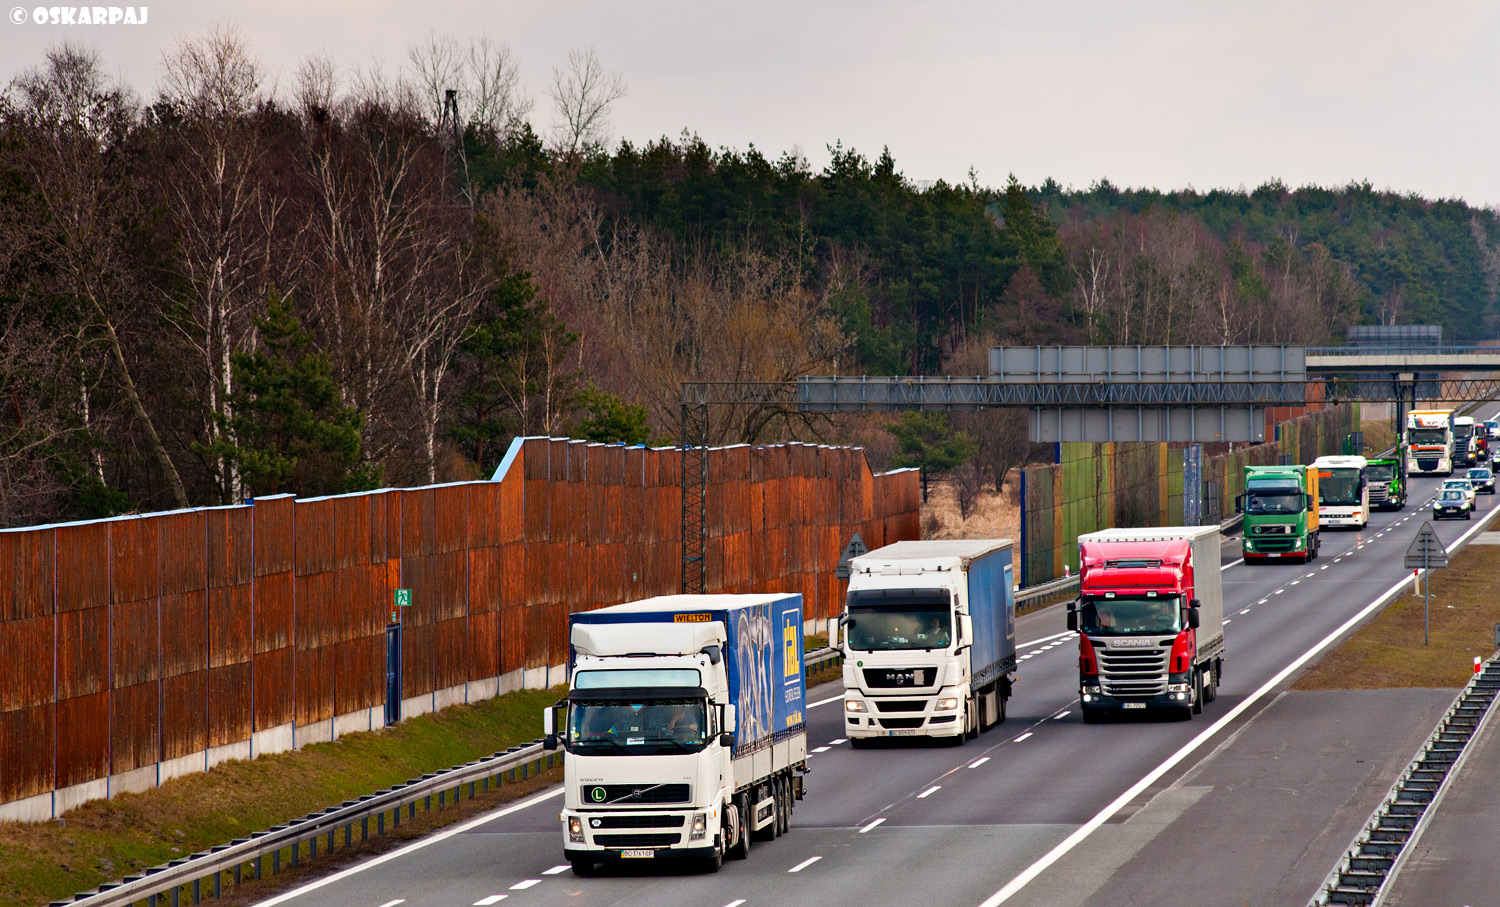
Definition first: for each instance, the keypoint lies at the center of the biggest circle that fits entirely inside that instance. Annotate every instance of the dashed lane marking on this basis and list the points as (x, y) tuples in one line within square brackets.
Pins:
[(820, 749), (929, 792), (871, 826), (1023, 737), (841, 740), (804, 864), (1061, 714), (735, 903), (492, 899), (522, 886), (394, 903), (978, 762), (556, 870)]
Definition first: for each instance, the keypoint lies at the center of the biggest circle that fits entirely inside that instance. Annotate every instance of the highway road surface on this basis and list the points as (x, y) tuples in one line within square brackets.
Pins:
[(1259, 801)]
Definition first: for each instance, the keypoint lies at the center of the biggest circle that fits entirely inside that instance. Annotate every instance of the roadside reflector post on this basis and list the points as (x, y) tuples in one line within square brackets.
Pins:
[(1416, 586), (1476, 664)]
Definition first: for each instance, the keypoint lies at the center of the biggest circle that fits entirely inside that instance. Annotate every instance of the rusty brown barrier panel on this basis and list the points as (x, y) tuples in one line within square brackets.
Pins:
[(136, 649)]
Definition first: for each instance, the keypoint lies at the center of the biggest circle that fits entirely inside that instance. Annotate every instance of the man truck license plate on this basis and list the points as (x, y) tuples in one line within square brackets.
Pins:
[(637, 854), (1132, 705)]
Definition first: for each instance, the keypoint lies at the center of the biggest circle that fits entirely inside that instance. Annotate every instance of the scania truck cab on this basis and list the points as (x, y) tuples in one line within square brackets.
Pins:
[(1429, 442), (1281, 514), (1386, 477), (1150, 620), (1343, 492), (1465, 444)]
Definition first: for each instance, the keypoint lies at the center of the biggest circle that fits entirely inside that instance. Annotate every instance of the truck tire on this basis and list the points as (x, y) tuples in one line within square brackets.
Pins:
[(859, 743), (716, 862), (583, 867), (1197, 692), (972, 728), (741, 851), (784, 801)]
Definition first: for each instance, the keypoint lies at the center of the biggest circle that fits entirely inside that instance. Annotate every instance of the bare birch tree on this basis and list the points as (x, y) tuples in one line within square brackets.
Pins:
[(582, 96)]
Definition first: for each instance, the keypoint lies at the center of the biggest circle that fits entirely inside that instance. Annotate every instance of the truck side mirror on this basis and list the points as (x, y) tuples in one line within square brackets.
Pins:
[(1072, 619), (1306, 501), (1194, 604), (1193, 619), (726, 740), (549, 728), (1239, 503), (728, 724), (965, 630)]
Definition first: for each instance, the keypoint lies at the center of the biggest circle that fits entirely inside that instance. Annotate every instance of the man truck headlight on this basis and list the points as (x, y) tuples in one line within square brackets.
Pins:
[(575, 830), (853, 705), (947, 705), (700, 827)]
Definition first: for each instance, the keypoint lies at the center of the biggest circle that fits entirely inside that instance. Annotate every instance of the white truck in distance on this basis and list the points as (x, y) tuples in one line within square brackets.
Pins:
[(1429, 442), (684, 728), (1343, 491), (929, 640)]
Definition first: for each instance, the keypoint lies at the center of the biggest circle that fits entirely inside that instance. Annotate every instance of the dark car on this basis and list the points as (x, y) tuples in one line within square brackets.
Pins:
[(1450, 503), (1482, 478)]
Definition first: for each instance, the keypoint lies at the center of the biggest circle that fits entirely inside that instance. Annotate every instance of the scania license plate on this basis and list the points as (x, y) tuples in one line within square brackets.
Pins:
[(1132, 705), (637, 854), (905, 732)]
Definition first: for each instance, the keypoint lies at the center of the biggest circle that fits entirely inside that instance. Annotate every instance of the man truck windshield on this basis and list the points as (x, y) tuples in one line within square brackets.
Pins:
[(636, 726), (912, 627), (1338, 487), (1130, 615), (1434, 436)]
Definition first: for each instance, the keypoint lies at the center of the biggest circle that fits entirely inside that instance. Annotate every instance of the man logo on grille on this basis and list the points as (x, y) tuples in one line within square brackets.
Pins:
[(597, 794)]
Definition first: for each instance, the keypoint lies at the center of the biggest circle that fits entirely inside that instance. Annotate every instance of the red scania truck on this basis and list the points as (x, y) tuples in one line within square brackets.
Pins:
[(1150, 620)]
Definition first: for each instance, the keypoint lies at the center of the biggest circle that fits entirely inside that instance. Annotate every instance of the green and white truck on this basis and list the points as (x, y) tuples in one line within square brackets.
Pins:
[(1387, 478), (1280, 504)]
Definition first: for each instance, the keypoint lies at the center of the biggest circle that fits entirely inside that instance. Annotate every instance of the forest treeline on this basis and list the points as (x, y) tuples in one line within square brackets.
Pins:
[(220, 289)]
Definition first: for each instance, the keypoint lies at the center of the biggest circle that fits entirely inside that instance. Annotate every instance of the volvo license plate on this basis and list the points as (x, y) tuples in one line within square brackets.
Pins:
[(637, 854), (1274, 554), (905, 732), (1132, 705)]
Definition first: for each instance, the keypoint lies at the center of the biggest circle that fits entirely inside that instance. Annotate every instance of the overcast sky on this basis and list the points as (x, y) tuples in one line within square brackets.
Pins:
[(1160, 94)]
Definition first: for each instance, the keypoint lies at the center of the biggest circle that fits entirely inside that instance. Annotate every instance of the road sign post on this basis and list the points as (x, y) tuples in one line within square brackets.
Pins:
[(1428, 553)]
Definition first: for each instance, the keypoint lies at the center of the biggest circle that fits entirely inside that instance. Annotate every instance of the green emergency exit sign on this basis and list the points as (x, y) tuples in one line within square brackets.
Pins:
[(403, 598)]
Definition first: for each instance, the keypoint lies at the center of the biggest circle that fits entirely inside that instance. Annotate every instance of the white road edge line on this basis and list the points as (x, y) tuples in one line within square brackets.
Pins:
[(1078, 836), (929, 792), (410, 848), (804, 864), (813, 705), (871, 826)]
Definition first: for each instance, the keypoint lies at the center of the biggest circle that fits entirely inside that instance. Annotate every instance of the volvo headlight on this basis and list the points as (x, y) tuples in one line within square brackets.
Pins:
[(700, 826), (575, 830), (947, 704), (853, 705)]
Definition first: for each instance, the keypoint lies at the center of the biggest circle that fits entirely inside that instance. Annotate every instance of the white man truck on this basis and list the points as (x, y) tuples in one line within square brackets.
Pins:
[(1150, 620), (929, 640), (1429, 442), (684, 728)]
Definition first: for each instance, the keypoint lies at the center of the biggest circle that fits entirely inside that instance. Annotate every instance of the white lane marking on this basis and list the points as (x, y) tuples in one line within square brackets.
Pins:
[(492, 899), (1024, 657), (1278, 592), (978, 762), (522, 886), (929, 792), (1296, 581), (1231, 564), (1037, 642), (414, 846), (813, 705), (1061, 714), (1228, 620), (871, 826), (1244, 610), (820, 749), (394, 903), (804, 864), (555, 870), (735, 903), (839, 741), (1325, 566), (1208, 733), (1023, 737), (1263, 601)]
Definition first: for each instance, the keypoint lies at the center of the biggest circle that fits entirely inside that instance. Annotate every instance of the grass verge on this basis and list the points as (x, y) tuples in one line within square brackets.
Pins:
[(1388, 653), (107, 839)]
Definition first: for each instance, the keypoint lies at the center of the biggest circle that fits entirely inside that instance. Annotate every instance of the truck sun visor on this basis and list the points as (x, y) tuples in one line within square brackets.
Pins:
[(897, 598)]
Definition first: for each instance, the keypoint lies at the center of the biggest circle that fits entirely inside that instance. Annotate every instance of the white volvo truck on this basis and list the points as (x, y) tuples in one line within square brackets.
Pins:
[(929, 640), (684, 728)]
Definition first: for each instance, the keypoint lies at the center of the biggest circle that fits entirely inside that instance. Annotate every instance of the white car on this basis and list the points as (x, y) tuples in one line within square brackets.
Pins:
[(1463, 485)]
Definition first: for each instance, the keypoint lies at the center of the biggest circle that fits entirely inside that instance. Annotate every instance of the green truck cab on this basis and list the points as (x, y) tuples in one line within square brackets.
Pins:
[(1280, 505), (1387, 480)]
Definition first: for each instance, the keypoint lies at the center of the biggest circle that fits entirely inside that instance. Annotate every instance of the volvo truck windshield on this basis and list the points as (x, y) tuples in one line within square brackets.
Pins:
[(637, 726), (1268, 498)]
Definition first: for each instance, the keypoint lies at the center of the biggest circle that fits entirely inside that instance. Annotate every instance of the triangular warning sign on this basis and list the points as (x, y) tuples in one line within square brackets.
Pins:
[(1426, 550), (854, 549)]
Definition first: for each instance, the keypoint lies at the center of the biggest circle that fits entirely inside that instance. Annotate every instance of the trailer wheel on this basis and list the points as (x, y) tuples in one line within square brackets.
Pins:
[(742, 850), (784, 815)]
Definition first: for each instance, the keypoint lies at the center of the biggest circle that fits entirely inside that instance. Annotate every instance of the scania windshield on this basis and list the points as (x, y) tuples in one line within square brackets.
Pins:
[(891, 619), (1130, 615), (1339, 487), (1380, 472)]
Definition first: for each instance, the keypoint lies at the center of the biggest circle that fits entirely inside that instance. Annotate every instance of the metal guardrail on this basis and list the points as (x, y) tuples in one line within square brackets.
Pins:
[(187, 875)]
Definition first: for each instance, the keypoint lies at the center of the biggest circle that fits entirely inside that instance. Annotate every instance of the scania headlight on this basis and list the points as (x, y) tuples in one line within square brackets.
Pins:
[(853, 705), (700, 826), (947, 704), (1091, 688), (1179, 687), (575, 830)]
